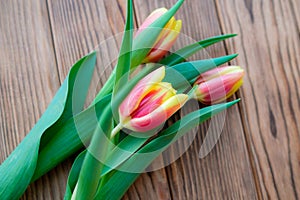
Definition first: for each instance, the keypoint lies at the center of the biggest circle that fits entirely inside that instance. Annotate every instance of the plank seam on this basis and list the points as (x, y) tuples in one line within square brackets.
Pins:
[(53, 42)]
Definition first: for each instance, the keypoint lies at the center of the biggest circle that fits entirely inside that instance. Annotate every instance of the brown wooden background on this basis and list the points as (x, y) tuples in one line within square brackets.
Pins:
[(258, 154)]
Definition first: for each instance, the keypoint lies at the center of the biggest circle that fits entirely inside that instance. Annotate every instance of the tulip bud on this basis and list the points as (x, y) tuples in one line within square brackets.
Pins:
[(166, 38), (149, 104), (218, 84)]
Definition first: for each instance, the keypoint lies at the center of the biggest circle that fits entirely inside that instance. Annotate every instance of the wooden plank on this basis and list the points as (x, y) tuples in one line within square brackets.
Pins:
[(226, 171), (269, 50), (80, 27), (29, 79)]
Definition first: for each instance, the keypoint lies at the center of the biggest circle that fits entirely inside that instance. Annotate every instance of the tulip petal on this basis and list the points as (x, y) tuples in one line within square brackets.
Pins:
[(217, 72), (164, 44), (151, 18), (219, 88), (158, 94), (132, 101), (158, 116)]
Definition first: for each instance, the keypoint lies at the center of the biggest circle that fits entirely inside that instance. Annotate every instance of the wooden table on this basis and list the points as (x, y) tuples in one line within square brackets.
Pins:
[(258, 154)]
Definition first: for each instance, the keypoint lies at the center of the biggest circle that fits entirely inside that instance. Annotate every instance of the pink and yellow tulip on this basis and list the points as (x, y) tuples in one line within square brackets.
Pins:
[(149, 104), (218, 84), (166, 38)]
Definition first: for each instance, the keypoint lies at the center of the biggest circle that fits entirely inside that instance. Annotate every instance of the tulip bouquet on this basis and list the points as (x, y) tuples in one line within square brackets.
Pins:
[(122, 129)]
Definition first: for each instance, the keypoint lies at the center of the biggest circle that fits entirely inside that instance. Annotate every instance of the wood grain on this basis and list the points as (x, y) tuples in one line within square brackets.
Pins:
[(258, 153), (79, 27), (269, 50)]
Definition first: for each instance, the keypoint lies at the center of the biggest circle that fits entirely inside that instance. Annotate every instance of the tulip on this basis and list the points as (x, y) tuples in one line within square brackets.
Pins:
[(166, 38), (149, 104), (218, 84)]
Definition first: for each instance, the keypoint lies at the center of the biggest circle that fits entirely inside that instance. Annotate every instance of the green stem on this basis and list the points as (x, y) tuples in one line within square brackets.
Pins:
[(114, 142), (89, 179), (116, 130), (107, 87)]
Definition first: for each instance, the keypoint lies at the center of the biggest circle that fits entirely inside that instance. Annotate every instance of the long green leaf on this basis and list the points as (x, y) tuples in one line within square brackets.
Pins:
[(17, 170), (69, 138), (114, 188), (182, 54), (122, 152), (89, 179), (124, 59), (74, 174)]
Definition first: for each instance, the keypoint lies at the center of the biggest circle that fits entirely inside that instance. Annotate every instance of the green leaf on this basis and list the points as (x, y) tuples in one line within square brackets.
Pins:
[(69, 137), (124, 59), (182, 54), (73, 175), (182, 75), (144, 41), (17, 170), (114, 188), (107, 88), (89, 176), (122, 152)]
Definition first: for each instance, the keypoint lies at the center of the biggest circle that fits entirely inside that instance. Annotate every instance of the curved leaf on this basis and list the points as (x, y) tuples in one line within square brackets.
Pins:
[(182, 54), (128, 146), (124, 59), (20, 165), (88, 179), (69, 138), (74, 174)]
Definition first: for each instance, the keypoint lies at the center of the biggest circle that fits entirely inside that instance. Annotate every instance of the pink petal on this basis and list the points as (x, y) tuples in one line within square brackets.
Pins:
[(132, 101), (159, 115), (151, 18), (218, 89)]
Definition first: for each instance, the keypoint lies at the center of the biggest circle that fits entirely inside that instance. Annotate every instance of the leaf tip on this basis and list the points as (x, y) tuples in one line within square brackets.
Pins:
[(92, 54), (231, 103), (232, 34)]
